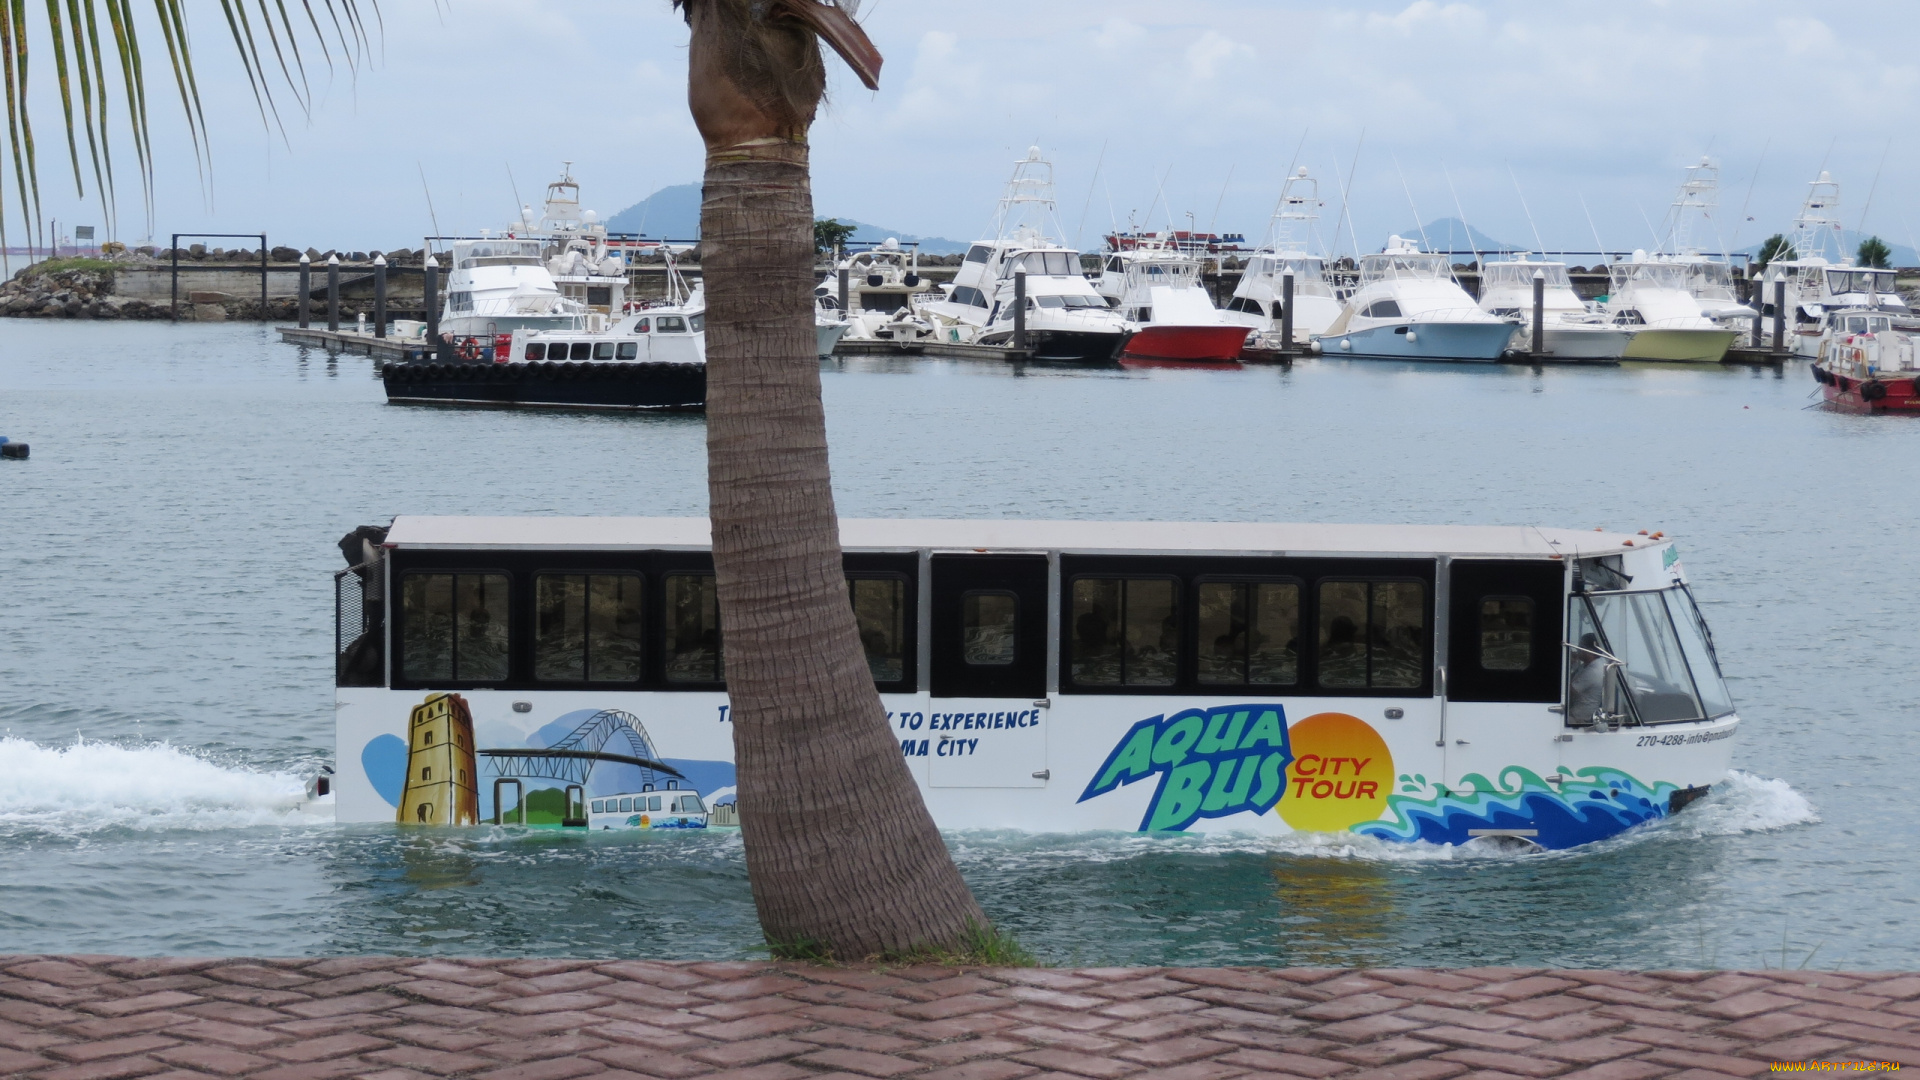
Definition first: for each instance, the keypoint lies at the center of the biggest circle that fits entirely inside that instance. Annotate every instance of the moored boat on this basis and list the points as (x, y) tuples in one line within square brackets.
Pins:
[(1867, 366), (1292, 248), (1569, 329), (1156, 287), (1409, 307), (1649, 297)]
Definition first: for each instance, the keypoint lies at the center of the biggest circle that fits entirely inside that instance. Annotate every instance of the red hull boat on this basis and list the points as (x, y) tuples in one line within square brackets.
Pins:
[(1202, 343), (1877, 395)]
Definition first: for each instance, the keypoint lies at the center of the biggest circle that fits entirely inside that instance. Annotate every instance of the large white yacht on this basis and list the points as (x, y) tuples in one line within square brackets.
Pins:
[(1709, 278), (1649, 295), (882, 284), (1409, 307), (497, 285), (1290, 245), (1821, 276), (1569, 330), (1156, 286), (1065, 318), (575, 248)]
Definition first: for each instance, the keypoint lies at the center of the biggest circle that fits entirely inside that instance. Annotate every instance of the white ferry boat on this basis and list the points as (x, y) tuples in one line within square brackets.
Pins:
[(1446, 684)]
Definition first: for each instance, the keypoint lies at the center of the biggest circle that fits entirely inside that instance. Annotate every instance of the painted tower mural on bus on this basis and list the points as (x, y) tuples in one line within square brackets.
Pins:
[(440, 787)]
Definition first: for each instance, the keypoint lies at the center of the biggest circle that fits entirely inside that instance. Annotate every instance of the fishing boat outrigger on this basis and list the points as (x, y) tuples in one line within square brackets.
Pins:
[(1447, 684)]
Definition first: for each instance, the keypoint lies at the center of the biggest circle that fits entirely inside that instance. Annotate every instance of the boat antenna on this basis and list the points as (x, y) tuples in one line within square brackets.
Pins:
[(1542, 244), (1744, 203), (1599, 248), (1346, 211), (1862, 227), (1158, 193), (1458, 209), (1223, 197), (515, 185), (1082, 227), (1651, 231), (1908, 229), (431, 216), (1424, 242)]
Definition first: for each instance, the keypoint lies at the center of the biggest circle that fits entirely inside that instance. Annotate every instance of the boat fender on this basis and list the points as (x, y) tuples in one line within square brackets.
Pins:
[(16, 451), (874, 280), (1820, 375), (912, 280), (1345, 345), (1873, 390)]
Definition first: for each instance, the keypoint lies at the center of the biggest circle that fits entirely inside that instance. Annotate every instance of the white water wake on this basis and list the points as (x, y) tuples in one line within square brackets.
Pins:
[(91, 787)]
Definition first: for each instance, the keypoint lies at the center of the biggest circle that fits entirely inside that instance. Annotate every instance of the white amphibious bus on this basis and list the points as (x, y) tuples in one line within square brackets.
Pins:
[(1444, 684)]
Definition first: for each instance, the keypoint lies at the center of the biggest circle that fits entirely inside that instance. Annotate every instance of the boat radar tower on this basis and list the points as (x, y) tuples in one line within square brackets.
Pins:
[(1817, 230), (1294, 227), (1693, 208), (1026, 210)]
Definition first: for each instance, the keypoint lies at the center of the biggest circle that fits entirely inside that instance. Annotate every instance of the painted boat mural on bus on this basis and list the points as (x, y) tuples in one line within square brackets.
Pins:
[(597, 768)]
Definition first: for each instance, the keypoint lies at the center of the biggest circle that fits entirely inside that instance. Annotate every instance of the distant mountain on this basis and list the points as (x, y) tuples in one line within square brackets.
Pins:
[(1452, 234), (673, 213)]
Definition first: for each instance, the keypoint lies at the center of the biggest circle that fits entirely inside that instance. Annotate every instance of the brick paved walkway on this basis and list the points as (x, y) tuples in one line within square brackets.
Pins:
[(101, 1018)]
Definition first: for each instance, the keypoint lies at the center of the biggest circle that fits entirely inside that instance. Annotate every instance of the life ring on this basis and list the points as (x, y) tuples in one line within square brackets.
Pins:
[(1872, 390), (468, 349)]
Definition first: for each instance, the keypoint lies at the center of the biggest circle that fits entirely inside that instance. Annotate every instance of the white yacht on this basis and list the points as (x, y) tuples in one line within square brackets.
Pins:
[(498, 285), (1409, 307), (1709, 278), (1065, 318), (1289, 246), (1649, 295), (1570, 330), (1821, 276), (575, 248), (883, 282), (1156, 286)]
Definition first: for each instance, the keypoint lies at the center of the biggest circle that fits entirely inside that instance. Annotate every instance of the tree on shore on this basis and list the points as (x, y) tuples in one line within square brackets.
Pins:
[(1874, 252), (843, 858), (1774, 247), (830, 233)]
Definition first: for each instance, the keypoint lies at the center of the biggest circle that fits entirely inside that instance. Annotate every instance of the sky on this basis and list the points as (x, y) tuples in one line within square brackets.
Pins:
[(1526, 119)]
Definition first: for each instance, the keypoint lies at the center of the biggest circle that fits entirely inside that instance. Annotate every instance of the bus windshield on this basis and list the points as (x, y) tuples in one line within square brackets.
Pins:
[(1641, 657)]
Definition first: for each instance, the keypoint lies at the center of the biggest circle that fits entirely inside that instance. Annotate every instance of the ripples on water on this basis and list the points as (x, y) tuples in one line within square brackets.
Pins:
[(164, 687)]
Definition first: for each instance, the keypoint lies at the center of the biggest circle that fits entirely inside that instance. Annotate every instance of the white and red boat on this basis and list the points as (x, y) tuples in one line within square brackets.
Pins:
[(1157, 289), (1865, 365)]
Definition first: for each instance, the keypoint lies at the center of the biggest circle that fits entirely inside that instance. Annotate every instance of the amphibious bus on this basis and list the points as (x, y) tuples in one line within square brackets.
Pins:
[(1517, 686)]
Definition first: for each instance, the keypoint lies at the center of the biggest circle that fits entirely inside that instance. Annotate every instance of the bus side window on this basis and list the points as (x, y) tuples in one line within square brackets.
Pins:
[(454, 627), (1506, 633), (879, 610), (988, 633), (587, 628), (692, 630), (1372, 634), (1126, 631), (1249, 633)]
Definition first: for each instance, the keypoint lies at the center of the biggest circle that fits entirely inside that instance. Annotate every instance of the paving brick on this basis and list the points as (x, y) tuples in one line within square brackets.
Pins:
[(550, 1046), (1482, 1040), (1102, 1068), (551, 1069), (48, 993), (1193, 1070), (256, 975), (1590, 1051), (1844, 1015), (1531, 987), (740, 1010), (166, 999), (1751, 1003), (60, 973), (214, 1059), (1387, 1051), (945, 988), (639, 1034), (541, 1023), (1799, 1048), (961, 1027), (1246, 999), (751, 1051), (109, 1048), (441, 992), (658, 996), (1363, 1028), (15, 1062), (640, 1014), (1720, 1063), (1243, 1018), (651, 1062), (1863, 1033), (969, 1049), (34, 1014), (534, 967), (445, 1015), (1066, 1039), (330, 1025), (1162, 1027), (1430, 1069), (746, 988), (332, 1046), (1148, 1007), (864, 1062), (1678, 1040), (1277, 1061), (1177, 1051), (1435, 1014), (981, 1070), (1499, 1061), (252, 995), (147, 967), (549, 1003), (1072, 1021), (1668, 1017), (116, 1026), (429, 1060), (115, 1069), (1886, 1053), (846, 1017), (1134, 989), (753, 1027), (1622, 1069), (954, 1006), (220, 1031), (1056, 999), (773, 1070), (1904, 988), (856, 1039), (462, 974), (1544, 1008), (439, 1038), (559, 982), (1347, 1008)]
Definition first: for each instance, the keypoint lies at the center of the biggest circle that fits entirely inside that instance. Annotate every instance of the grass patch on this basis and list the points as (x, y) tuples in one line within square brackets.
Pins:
[(66, 265), (980, 945)]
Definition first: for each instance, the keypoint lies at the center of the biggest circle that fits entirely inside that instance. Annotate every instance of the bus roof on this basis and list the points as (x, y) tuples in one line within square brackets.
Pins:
[(872, 534)]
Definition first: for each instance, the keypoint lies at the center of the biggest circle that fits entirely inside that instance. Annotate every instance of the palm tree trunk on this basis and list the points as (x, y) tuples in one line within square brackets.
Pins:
[(841, 851)]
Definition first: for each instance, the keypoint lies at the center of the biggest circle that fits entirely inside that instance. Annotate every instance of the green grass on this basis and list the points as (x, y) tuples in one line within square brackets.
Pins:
[(981, 945), (66, 265)]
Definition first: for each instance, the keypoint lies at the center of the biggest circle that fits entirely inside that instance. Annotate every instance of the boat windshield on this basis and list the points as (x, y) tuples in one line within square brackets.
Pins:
[(1642, 657), (496, 253), (1071, 302), (1404, 265), (1710, 279), (1519, 275), (1656, 275), (1044, 263), (1859, 281)]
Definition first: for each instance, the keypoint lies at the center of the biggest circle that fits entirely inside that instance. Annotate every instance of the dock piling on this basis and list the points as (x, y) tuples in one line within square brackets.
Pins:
[(1286, 310), (1020, 310), (1539, 313), (333, 292), (379, 296), (306, 288), (431, 274), (1779, 312), (843, 292)]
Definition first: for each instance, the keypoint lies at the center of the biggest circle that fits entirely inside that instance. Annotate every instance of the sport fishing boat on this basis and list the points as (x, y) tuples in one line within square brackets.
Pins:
[(1649, 296), (1820, 275), (1569, 329), (1508, 686), (1409, 307), (1064, 318), (652, 359), (1708, 278), (1865, 364), (1290, 248), (1156, 287), (883, 283)]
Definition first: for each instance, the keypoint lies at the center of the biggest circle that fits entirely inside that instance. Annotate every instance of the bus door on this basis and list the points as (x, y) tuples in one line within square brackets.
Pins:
[(1504, 629), (988, 672)]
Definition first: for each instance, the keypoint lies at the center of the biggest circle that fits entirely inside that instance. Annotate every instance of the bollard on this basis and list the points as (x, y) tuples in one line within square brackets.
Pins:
[(333, 293), (1539, 313), (432, 287), (1759, 296), (380, 296), (1020, 310), (843, 292), (1779, 312), (306, 288), (1286, 310)]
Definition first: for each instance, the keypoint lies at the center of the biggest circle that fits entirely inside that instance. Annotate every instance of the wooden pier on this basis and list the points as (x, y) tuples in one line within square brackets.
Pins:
[(354, 341)]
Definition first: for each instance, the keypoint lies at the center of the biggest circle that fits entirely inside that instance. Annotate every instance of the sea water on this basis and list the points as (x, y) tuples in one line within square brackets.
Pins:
[(165, 677)]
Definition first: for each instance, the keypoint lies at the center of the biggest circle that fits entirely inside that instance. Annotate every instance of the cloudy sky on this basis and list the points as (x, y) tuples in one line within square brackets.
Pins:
[(1559, 102)]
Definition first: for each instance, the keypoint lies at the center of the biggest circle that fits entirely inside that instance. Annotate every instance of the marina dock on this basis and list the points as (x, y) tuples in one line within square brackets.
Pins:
[(100, 1017)]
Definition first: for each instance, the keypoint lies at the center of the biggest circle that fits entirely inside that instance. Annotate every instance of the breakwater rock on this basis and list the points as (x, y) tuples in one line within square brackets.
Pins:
[(78, 292)]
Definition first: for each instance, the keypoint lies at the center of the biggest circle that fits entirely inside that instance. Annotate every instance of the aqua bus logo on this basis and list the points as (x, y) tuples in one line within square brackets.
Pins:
[(1211, 762)]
